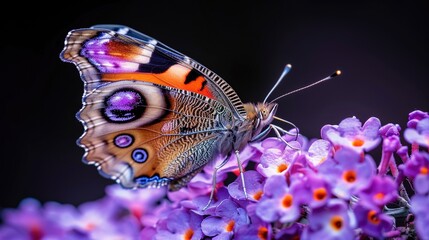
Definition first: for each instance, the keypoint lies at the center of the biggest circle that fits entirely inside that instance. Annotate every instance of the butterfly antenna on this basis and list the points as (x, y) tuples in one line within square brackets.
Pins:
[(285, 71), (335, 74)]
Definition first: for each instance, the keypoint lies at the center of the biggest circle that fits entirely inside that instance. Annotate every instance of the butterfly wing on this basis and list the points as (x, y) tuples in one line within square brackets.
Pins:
[(108, 53), (146, 135), (152, 116)]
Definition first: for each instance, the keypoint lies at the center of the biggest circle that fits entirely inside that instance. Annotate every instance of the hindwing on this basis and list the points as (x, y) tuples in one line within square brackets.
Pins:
[(146, 135)]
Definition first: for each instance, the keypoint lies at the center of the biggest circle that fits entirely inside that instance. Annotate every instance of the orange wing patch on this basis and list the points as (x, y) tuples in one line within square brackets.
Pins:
[(177, 76), (132, 53)]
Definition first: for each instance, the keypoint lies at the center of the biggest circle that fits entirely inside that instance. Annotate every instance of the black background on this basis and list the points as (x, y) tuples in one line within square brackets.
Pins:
[(382, 50)]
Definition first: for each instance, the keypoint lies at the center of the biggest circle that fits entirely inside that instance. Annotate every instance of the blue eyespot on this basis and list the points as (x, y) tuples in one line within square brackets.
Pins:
[(139, 155)]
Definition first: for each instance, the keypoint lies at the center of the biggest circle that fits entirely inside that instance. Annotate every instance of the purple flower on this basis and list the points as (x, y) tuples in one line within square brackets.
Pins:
[(420, 134), (391, 143), (198, 203), (380, 191), (138, 202), (279, 202), (29, 222), (257, 229), (328, 189), (419, 206), (180, 224), (95, 215), (148, 233), (254, 186), (350, 133), (274, 142), (276, 161), (94, 220), (126, 228), (293, 231), (348, 172), (390, 135), (403, 153), (318, 152), (225, 221), (200, 185), (330, 222), (415, 116), (247, 154), (62, 214), (389, 129), (102, 220), (12, 232), (417, 168), (313, 189), (253, 231), (371, 220), (150, 219)]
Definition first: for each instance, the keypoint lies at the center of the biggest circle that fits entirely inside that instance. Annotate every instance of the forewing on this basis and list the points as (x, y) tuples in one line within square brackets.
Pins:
[(109, 53)]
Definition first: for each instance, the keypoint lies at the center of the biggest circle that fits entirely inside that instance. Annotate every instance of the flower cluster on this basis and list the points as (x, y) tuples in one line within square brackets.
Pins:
[(331, 188)]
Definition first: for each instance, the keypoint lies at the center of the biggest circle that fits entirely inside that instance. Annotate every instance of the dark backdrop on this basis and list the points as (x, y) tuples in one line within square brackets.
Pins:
[(382, 50)]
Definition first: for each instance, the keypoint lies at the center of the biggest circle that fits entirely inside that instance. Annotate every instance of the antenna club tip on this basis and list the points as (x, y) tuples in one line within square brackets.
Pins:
[(288, 66), (336, 73)]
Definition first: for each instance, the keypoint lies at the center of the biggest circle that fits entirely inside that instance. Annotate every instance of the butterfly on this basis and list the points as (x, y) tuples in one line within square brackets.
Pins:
[(152, 115)]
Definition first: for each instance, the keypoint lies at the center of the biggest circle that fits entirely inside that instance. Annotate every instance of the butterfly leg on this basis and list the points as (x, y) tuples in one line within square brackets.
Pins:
[(262, 134), (295, 134), (287, 122), (276, 130), (214, 180), (237, 154)]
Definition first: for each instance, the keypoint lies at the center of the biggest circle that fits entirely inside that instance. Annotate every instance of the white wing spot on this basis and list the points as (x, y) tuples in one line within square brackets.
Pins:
[(123, 30)]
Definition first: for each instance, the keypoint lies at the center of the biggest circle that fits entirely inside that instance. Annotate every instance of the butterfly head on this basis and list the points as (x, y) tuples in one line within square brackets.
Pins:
[(261, 114)]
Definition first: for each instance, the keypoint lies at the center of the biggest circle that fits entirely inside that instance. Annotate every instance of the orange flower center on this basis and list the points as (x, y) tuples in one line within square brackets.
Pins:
[(424, 170), (258, 195), (287, 201), (322, 160), (230, 226), (349, 176), (282, 167), (188, 234), (379, 196), (336, 223), (319, 194), (358, 142), (373, 218), (263, 233), (90, 226)]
